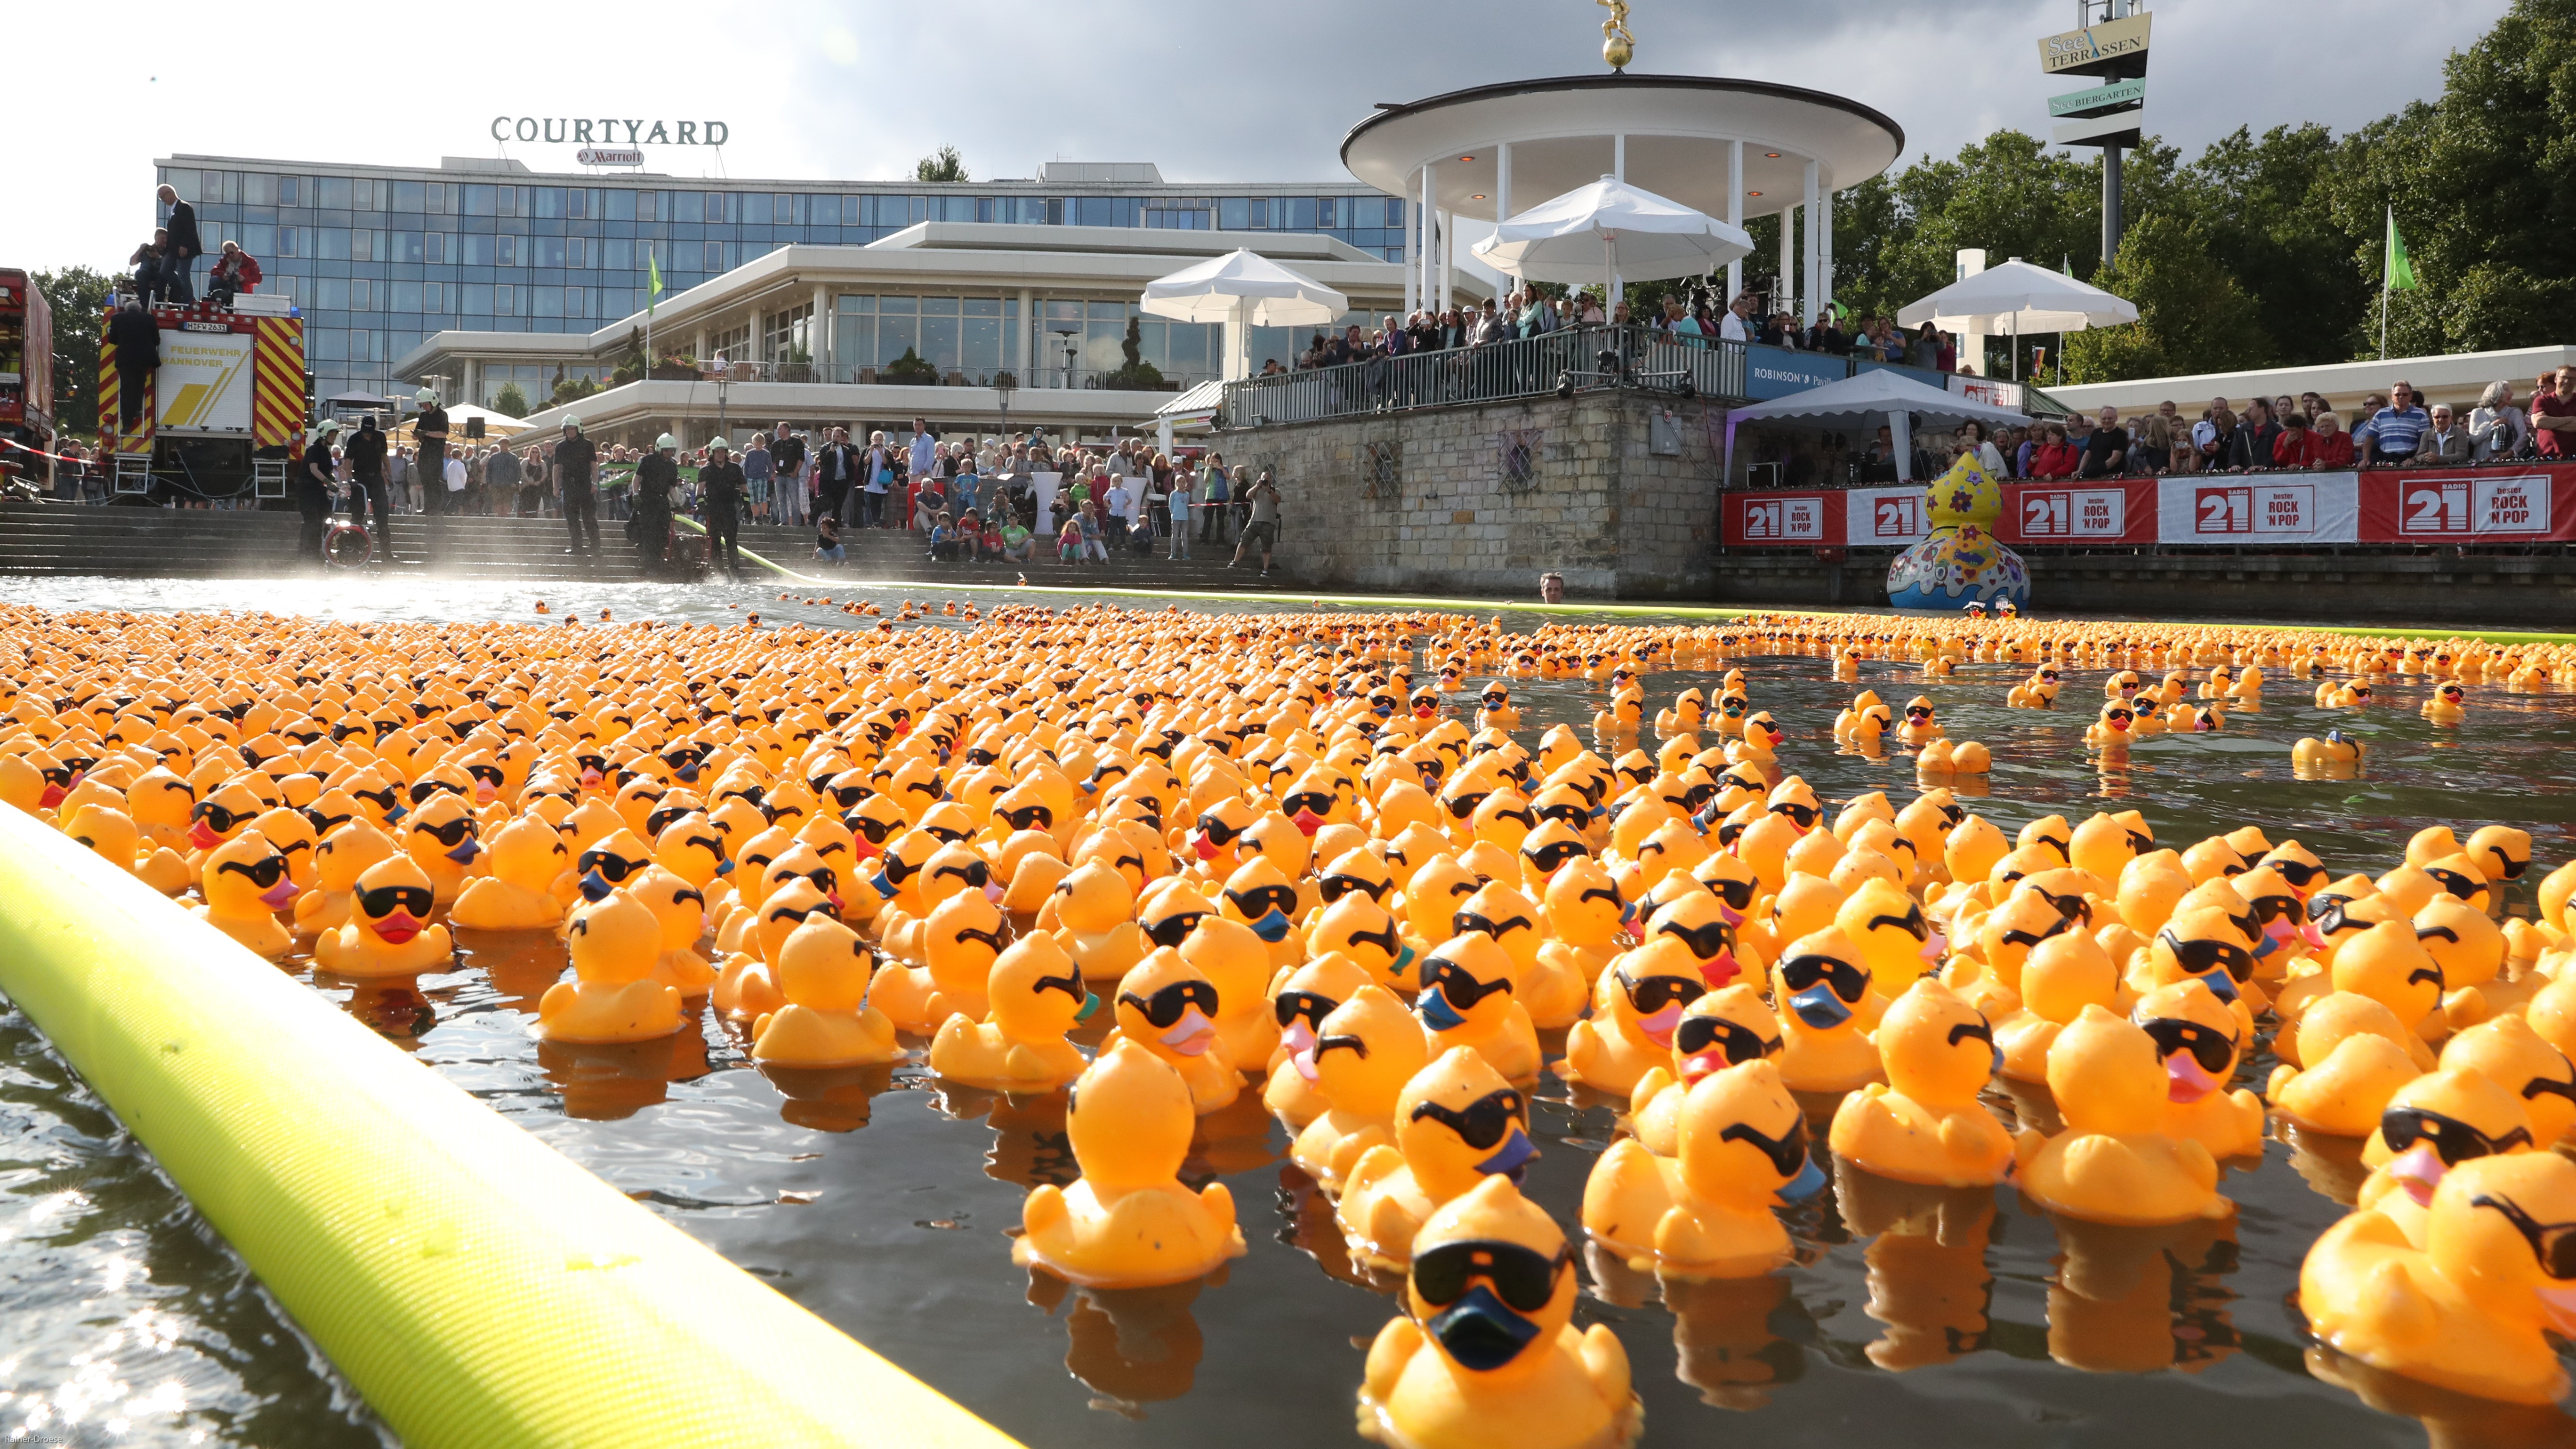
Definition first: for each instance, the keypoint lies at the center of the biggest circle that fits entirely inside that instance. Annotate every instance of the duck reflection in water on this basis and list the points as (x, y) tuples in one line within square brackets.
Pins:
[(1133, 1346), (605, 1081), (1928, 1279), (2137, 1299)]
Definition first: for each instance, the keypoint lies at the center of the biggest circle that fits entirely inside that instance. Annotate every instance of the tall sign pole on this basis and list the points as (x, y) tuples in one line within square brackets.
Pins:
[(2109, 42)]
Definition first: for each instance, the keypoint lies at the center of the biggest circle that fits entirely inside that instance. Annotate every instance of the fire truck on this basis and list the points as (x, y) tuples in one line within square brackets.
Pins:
[(26, 377), (224, 413)]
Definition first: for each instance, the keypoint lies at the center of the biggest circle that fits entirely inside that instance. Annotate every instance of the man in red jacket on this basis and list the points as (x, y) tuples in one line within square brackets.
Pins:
[(236, 271)]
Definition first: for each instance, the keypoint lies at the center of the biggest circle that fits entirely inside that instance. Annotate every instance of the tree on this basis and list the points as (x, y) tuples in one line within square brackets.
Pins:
[(944, 164), (2192, 316), (79, 298), (510, 400)]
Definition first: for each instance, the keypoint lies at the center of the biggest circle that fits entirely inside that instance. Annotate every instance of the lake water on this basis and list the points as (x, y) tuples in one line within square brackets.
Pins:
[(880, 1201)]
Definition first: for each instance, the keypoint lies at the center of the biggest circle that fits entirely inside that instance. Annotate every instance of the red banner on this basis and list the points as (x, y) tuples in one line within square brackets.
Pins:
[(2072, 512), (1782, 520), (2472, 505), (2518, 504)]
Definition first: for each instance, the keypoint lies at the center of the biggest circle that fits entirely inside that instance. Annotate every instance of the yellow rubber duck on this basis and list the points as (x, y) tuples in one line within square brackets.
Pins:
[(823, 970), (1034, 995), (1925, 1124), (245, 884), (2200, 1040), (1128, 1222), (1637, 1006), (2115, 1162), (1818, 986), (1457, 1123), (613, 997), (1467, 1001), (1705, 1213), (1170, 1008), (1363, 1053), (1300, 999), (959, 943), (2434, 1123), (529, 860), (2472, 1309), (1488, 1357), (389, 932), (1728, 1027)]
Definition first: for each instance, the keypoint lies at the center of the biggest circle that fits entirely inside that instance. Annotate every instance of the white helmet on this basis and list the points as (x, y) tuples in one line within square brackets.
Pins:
[(424, 397), (666, 443)]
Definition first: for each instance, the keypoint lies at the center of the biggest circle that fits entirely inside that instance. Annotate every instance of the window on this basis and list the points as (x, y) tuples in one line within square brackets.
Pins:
[(504, 300)]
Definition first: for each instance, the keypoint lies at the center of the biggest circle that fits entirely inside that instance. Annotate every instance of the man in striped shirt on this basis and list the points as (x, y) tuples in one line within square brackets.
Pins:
[(2397, 430)]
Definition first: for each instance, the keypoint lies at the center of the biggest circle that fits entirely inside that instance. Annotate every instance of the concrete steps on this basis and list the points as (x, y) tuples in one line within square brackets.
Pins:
[(158, 542)]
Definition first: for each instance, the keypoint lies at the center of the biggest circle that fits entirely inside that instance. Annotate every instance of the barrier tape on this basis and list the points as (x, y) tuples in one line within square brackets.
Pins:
[(477, 1287)]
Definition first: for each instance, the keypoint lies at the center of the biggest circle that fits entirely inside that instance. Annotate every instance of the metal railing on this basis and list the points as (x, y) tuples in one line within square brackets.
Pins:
[(1498, 371), (848, 374)]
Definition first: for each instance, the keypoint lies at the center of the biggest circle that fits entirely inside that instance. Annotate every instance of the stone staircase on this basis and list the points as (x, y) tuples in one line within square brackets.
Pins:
[(159, 542)]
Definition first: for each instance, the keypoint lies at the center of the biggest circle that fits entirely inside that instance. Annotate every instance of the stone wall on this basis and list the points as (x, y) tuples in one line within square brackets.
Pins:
[(1617, 491)]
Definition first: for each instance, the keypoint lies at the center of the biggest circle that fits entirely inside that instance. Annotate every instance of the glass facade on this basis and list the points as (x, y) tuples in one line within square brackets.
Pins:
[(376, 263)]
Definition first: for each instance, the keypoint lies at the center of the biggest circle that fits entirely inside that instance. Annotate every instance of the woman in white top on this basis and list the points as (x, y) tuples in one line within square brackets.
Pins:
[(2497, 428)]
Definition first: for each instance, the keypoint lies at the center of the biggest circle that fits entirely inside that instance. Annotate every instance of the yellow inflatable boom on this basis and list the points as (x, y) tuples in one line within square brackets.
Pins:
[(478, 1288)]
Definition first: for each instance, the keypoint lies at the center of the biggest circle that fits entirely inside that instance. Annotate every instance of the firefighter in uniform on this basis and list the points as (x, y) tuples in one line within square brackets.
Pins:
[(313, 488), (721, 489), (656, 478)]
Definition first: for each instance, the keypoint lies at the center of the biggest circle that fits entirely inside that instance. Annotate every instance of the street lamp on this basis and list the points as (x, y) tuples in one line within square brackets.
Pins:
[(1071, 349), (1003, 386)]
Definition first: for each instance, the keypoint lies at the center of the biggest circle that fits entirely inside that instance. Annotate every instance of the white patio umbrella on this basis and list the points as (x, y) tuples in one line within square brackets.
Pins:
[(1610, 230), (2016, 298), (1243, 289)]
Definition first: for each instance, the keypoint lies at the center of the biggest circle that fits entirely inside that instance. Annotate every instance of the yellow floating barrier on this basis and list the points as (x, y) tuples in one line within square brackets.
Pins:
[(478, 1288)]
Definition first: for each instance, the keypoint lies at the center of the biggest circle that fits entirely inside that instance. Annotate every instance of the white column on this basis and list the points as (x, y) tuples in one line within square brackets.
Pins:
[(1811, 297), (1618, 171), (1787, 301), (1448, 246), (818, 332), (1734, 217), (1825, 246), (1429, 222), (1412, 252)]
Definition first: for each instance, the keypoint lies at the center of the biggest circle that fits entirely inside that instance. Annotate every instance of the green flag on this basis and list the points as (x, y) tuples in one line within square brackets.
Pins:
[(2400, 273), (653, 281)]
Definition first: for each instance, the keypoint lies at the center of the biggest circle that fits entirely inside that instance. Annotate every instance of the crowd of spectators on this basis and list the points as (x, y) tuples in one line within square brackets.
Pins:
[(1692, 317), (2386, 430)]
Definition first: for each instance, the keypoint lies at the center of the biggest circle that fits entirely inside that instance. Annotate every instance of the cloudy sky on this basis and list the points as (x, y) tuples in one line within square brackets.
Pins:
[(1209, 89)]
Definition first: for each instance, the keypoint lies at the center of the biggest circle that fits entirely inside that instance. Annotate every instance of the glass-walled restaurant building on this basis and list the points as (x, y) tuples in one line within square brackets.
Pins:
[(378, 258), (920, 324)]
